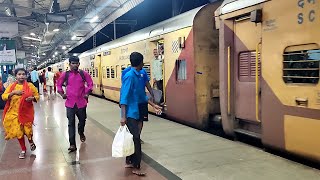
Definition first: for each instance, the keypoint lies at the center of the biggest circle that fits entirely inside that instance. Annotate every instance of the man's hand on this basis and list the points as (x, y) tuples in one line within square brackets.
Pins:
[(157, 109), (30, 99), (123, 121), (86, 96), (64, 96)]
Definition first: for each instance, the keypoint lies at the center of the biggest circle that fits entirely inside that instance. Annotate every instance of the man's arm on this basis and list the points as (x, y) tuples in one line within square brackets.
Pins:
[(60, 83), (125, 92)]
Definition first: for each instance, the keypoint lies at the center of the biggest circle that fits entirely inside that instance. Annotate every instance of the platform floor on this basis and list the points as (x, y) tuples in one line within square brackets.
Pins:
[(171, 151)]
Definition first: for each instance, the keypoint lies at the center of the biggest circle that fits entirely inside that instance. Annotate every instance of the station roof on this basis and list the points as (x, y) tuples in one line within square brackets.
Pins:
[(49, 29)]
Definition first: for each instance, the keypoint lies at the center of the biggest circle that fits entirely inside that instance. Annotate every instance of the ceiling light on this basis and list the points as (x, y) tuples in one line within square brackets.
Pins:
[(31, 38), (94, 19), (43, 54), (75, 54), (74, 37), (32, 34), (64, 47), (56, 30), (53, 56), (56, 53)]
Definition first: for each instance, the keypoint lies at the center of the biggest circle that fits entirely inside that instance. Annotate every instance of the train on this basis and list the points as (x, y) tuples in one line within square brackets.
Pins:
[(252, 66)]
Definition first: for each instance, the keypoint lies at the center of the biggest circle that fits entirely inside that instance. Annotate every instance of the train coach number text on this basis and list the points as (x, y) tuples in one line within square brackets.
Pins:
[(310, 15)]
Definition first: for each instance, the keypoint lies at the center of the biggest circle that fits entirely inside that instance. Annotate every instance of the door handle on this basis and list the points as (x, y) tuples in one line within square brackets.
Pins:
[(301, 101)]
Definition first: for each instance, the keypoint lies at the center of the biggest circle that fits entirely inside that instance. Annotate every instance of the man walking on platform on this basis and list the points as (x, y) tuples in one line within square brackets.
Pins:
[(35, 78), (77, 94)]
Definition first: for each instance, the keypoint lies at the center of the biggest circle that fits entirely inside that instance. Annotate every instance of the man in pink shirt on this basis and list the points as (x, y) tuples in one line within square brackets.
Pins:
[(78, 87)]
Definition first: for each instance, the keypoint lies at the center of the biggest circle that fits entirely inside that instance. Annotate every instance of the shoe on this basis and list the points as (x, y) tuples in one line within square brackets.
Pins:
[(22, 155), (33, 147), (82, 138), (72, 148)]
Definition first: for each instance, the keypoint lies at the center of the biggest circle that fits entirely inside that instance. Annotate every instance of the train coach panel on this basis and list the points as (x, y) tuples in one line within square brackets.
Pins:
[(291, 92)]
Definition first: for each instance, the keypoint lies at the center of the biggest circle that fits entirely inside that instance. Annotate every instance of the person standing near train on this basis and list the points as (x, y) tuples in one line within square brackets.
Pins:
[(131, 94), (143, 106), (156, 71), (77, 94)]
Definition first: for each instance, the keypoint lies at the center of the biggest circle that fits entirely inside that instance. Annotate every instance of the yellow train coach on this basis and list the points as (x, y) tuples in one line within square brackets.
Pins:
[(188, 47), (269, 72)]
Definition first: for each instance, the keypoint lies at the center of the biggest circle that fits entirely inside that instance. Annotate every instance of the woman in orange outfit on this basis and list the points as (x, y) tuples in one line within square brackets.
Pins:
[(18, 114)]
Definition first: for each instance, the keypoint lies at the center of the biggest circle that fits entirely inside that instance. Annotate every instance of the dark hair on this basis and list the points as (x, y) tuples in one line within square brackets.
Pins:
[(35, 68), (73, 59), (20, 69), (60, 69), (49, 68), (136, 59), (10, 71)]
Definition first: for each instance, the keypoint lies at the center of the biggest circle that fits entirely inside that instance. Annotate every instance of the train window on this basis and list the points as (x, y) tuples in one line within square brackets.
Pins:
[(247, 66), (301, 66), (112, 72), (103, 70), (90, 72), (181, 69), (108, 72), (147, 68)]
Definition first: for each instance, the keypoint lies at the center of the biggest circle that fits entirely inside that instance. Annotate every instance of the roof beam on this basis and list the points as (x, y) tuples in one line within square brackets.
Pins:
[(9, 5)]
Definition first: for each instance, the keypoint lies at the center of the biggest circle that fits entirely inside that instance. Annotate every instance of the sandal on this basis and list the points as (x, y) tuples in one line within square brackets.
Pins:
[(32, 146), (22, 155)]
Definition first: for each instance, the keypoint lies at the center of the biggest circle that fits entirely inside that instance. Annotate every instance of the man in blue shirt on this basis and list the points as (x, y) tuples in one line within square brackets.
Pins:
[(143, 106), (35, 78), (131, 94)]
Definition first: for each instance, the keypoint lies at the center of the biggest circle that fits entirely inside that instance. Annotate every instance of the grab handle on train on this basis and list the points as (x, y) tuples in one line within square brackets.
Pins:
[(302, 101)]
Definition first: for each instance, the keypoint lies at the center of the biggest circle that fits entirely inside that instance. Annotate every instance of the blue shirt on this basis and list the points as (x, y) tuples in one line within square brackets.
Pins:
[(131, 93), (34, 76), (143, 79)]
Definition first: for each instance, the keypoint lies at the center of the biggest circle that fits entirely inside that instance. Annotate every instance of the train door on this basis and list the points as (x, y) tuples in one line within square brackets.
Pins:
[(158, 68), (246, 81), (97, 75)]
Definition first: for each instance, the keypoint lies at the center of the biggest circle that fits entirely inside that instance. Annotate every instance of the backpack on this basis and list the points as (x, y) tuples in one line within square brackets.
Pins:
[(66, 77)]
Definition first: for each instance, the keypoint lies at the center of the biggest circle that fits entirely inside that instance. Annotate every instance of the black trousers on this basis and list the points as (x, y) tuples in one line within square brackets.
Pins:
[(82, 116), (36, 84), (134, 159), (160, 87)]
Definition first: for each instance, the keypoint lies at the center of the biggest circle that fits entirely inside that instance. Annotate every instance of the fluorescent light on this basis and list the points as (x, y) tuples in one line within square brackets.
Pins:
[(43, 54), (75, 54), (74, 37), (32, 34), (56, 30), (53, 56), (94, 19), (64, 47), (31, 38), (56, 53)]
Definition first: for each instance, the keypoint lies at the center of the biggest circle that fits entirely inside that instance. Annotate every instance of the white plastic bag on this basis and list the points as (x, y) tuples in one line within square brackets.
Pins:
[(123, 144)]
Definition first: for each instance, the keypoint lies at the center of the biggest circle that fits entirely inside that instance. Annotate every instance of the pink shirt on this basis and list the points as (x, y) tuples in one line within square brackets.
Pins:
[(76, 89)]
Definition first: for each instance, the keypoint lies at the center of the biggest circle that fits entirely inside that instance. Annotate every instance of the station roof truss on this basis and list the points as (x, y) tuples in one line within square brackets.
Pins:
[(49, 29)]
